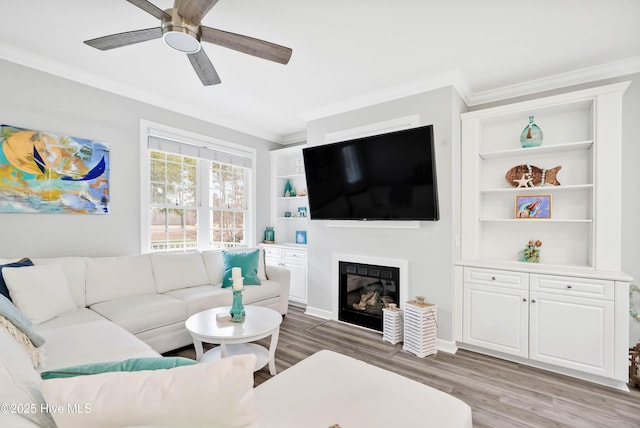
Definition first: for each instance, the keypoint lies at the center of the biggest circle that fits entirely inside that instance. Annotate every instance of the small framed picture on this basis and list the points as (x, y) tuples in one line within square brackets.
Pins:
[(301, 236), (287, 213), (533, 206), (302, 211)]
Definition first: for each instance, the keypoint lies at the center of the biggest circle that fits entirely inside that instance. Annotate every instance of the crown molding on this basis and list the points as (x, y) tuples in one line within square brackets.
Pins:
[(298, 137), (558, 81), (58, 69), (453, 78)]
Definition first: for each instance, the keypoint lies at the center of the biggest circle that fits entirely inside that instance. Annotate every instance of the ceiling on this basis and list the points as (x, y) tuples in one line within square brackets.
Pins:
[(346, 53)]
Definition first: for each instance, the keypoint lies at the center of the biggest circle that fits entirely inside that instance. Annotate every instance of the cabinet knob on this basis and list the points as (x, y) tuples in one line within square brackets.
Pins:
[(524, 299), (493, 278), (533, 300), (569, 286)]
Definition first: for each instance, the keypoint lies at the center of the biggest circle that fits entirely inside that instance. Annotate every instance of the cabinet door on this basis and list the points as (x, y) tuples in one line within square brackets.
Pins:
[(298, 289), (496, 318), (572, 332)]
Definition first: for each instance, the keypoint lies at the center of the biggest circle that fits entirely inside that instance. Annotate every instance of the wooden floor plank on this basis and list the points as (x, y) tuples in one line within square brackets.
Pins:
[(500, 393)]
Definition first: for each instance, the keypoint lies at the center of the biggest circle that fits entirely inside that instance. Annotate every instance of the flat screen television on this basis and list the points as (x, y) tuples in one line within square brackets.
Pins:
[(389, 176)]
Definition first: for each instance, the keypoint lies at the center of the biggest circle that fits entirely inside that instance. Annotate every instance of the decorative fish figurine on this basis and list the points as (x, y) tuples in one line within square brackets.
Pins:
[(532, 176)]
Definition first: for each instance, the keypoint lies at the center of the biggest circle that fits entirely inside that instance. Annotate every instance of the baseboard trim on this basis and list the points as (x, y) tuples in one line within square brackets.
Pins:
[(448, 346), (318, 313)]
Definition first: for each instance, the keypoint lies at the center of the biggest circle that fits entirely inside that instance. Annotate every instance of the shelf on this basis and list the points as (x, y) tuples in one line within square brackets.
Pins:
[(565, 147), (291, 197), (538, 220), (291, 176), (539, 189), (292, 218)]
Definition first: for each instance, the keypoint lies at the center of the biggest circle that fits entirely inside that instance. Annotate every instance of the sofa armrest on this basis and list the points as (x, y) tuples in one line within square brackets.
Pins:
[(283, 277)]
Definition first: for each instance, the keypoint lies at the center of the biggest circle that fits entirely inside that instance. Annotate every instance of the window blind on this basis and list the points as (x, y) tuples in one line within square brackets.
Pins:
[(201, 152)]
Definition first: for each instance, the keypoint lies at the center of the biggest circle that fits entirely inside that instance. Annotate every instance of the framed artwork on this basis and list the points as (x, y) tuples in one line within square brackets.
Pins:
[(45, 173), (533, 206), (302, 211), (301, 236)]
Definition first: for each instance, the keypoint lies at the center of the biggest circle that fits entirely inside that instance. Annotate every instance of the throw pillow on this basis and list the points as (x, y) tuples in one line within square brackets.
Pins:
[(130, 365), (20, 263), (40, 292), (210, 394), (247, 261), (12, 314)]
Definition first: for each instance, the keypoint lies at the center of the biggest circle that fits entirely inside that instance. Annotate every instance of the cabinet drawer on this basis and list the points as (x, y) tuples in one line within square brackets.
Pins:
[(568, 285), (295, 256), (499, 278), (272, 253)]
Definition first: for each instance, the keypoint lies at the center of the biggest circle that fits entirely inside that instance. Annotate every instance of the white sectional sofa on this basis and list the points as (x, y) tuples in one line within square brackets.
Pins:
[(152, 295)]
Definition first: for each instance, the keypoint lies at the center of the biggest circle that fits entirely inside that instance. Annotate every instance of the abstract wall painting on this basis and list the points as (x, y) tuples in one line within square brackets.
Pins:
[(45, 173)]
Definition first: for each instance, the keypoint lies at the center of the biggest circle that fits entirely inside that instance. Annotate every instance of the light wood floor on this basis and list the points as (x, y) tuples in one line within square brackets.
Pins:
[(500, 393)]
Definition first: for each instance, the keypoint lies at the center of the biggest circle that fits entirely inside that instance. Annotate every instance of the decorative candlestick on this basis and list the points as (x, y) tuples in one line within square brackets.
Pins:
[(237, 309)]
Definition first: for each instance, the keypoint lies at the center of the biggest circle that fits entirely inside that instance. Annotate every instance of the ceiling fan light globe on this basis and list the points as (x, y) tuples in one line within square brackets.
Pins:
[(181, 41)]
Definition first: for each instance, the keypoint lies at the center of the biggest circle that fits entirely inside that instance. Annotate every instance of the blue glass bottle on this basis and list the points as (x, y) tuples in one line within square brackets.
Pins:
[(531, 135)]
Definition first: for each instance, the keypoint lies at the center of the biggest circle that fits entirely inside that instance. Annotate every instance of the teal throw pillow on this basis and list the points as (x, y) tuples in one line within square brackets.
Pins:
[(130, 365), (3, 286), (245, 260)]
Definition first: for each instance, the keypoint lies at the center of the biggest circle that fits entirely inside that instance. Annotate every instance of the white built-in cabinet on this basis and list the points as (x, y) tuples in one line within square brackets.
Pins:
[(569, 312), (289, 216)]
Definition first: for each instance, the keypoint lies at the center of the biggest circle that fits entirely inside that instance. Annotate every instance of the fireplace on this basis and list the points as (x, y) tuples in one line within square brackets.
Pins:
[(364, 290)]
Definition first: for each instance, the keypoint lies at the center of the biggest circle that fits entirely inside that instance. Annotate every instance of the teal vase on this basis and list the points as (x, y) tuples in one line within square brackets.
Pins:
[(287, 188), (531, 135)]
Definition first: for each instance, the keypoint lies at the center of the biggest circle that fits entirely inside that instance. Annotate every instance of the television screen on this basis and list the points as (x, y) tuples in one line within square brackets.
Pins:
[(382, 177)]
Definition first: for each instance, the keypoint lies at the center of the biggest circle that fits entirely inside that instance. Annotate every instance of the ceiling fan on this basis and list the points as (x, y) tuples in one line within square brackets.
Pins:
[(180, 29)]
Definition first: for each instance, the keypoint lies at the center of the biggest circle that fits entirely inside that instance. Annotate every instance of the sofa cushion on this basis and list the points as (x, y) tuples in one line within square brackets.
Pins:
[(128, 365), (223, 397), (172, 271), (141, 313), (247, 261), (110, 278), (203, 297), (40, 292), (20, 263), (91, 342), (267, 290), (79, 316), (20, 385), (75, 270)]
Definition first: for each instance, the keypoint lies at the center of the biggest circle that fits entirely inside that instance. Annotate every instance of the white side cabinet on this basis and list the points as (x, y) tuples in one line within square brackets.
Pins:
[(559, 321), (294, 259)]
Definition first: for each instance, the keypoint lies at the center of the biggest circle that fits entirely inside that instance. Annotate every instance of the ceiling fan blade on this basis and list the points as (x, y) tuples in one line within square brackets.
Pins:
[(194, 10), (204, 68), (246, 44), (150, 8), (124, 39)]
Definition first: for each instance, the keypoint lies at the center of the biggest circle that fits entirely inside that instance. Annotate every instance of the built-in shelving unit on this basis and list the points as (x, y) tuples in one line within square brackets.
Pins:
[(536, 312)]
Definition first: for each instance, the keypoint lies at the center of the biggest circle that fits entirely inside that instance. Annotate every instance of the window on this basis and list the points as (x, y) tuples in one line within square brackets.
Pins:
[(196, 195)]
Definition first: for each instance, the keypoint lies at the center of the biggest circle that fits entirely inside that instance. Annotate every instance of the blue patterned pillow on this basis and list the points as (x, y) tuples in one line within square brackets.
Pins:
[(130, 365), (3, 286)]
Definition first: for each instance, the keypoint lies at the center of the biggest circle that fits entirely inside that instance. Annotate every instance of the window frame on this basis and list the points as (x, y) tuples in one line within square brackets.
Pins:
[(150, 129)]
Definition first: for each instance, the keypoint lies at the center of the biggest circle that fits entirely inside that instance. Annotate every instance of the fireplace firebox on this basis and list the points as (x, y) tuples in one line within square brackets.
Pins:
[(364, 290)]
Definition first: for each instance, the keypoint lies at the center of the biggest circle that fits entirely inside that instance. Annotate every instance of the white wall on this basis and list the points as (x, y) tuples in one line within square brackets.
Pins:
[(429, 249), (36, 100)]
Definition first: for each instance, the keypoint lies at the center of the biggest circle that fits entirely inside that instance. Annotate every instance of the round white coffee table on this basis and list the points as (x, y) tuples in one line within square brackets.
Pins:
[(234, 338)]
